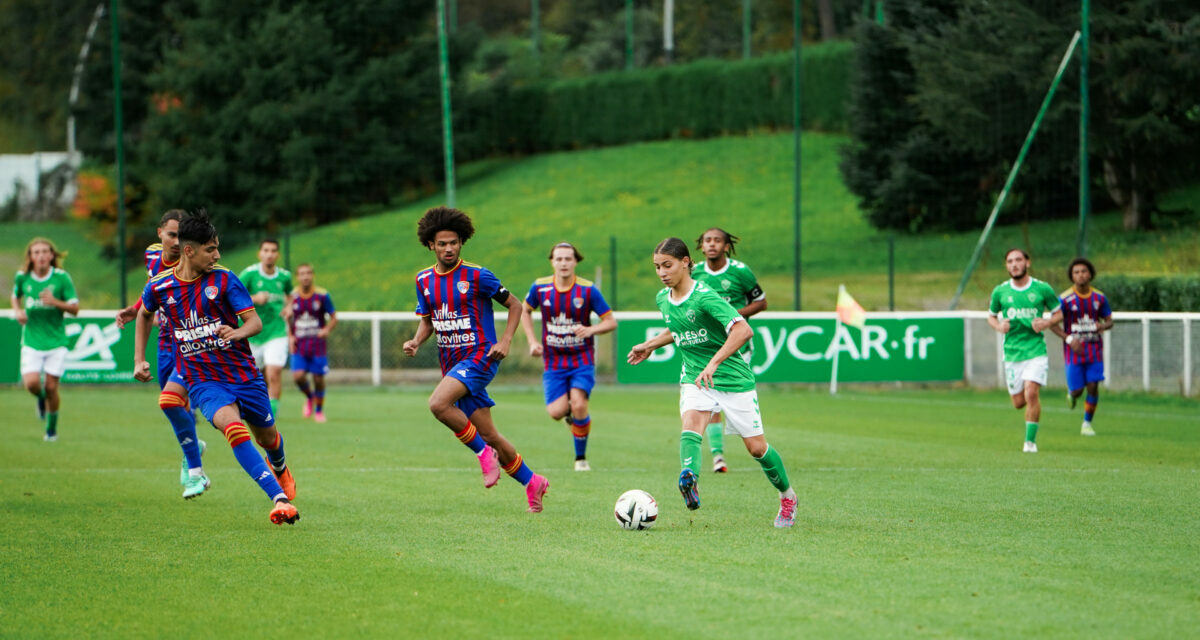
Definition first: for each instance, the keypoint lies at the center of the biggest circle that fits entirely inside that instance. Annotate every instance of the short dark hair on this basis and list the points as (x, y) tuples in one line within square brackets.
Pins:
[(565, 245), (268, 241), (1012, 249), (195, 227), (1083, 261), (172, 214), (674, 247), (730, 239), (444, 219), (305, 264)]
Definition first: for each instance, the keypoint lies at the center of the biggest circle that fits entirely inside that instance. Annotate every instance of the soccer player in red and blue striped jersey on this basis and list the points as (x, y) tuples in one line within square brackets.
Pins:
[(312, 318), (1086, 315), (173, 394), (567, 347), (202, 303), (454, 301)]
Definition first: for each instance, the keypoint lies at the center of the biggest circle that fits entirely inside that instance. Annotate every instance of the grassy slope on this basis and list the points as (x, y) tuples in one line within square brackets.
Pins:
[(912, 522), (641, 193)]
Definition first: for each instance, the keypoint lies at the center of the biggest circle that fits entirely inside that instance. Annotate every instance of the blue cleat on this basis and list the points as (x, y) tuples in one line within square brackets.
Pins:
[(687, 487)]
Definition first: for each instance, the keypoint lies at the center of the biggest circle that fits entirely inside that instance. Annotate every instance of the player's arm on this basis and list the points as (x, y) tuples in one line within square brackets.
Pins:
[(739, 333), (251, 326), (607, 323), (18, 309), (47, 298), (500, 350), (535, 345), (141, 334), (993, 319), (756, 302), (330, 323), (640, 352), (424, 330)]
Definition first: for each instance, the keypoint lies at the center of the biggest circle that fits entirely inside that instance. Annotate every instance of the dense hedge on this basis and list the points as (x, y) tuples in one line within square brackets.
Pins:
[(701, 99), (1131, 293)]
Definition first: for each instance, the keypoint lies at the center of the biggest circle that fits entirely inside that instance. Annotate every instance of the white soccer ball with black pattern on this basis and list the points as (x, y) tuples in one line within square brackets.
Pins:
[(636, 509)]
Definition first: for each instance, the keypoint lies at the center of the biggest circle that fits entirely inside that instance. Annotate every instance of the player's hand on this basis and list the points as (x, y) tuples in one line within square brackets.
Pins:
[(141, 371), (637, 354), (291, 344), (1077, 346), (535, 349), (46, 296), (227, 333), (286, 312), (1003, 326), (21, 317), (1039, 324), (323, 333), (584, 331), (125, 316), (705, 379), (499, 351), (260, 298), (410, 348)]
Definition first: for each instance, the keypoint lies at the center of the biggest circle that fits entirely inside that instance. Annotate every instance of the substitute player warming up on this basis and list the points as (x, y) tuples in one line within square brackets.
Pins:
[(709, 332), (454, 301), (201, 303)]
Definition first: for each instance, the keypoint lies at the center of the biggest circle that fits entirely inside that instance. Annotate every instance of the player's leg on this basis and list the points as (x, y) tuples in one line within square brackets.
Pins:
[(1033, 378), (319, 396), (31, 377), (259, 416), (173, 400), (1075, 382), (694, 417), (275, 356), (510, 459), (300, 378), (716, 442), (581, 382), (53, 402), (1093, 375), (745, 419), (443, 405), (555, 390)]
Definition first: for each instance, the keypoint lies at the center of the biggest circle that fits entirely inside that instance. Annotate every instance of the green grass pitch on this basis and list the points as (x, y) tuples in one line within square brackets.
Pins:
[(919, 516)]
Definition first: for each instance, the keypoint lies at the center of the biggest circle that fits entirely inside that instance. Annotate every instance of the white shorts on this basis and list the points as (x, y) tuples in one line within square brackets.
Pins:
[(52, 362), (272, 353), (1033, 370), (740, 408)]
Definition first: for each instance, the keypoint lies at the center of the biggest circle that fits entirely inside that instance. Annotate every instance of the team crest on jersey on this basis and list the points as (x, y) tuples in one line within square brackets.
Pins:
[(691, 315), (462, 286), (210, 292), (316, 305), (726, 284), (1032, 296), (578, 302)]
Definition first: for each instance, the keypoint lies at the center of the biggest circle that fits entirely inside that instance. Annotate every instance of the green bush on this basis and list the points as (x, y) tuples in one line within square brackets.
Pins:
[(1133, 293), (702, 99)]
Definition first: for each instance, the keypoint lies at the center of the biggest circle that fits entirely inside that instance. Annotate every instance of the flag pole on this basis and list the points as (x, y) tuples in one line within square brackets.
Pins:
[(837, 354)]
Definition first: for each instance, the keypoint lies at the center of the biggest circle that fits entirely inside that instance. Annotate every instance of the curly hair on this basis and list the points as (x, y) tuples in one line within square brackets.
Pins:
[(1083, 261), (444, 219), (730, 240)]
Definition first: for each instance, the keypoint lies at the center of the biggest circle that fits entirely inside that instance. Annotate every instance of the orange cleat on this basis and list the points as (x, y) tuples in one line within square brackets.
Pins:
[(284, 512), (285, 479)]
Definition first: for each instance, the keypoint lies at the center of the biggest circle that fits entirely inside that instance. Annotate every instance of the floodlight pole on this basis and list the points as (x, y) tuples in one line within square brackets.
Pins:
[(797, 76), (114, 18), (1085, 107), (447, 128)]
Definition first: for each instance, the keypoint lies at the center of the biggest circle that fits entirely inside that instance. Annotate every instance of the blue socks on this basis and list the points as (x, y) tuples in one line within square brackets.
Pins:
[(184, 424)]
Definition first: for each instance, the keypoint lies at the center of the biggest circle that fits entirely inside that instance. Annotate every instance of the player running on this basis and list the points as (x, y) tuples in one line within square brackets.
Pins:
[(735, 283), (454, 301), (1016, 311), (173, 395), (201, 303), (1086, 315), (312, 318), (270, 288), (708, 333), (42, 293), (567, 348)]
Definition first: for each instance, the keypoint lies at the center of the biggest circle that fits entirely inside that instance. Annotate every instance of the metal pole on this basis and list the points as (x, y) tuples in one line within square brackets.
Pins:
[(1012, 174), (797, 76), (452, 18), (114, 18), (534, 25), (287, 248), (628, 34), (891, 272), (669, 30), (447, 127), (76, 77), (747, 14), (1085, 194), (612, 269)]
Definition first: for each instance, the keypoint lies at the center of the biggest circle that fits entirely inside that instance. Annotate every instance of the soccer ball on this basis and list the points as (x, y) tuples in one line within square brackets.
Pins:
[(636, 509)]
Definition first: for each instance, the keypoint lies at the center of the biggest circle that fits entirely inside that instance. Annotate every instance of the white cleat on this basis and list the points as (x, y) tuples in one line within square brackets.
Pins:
[(1030, 447), (582, 465), (1087, 429), (719, 465)]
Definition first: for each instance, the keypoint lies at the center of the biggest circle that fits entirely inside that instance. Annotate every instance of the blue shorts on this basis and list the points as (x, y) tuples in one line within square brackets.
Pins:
[(1079, 375), (316, 365), (559, 382), (250, 397), (476, 378), (167, 371)]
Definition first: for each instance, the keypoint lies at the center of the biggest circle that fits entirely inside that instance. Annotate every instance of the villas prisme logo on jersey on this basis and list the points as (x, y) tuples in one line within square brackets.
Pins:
[(560, 332), (199, 335), (452, 331)]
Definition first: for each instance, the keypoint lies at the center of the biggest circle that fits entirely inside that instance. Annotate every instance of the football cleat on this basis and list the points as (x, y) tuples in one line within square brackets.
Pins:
[(582, 465), (687, 487), (50, 437), (195, 486), (534, 491), (489, 464), (1029, 447), (787, 513), (319, 417), (308, 407), (1086, 429), (284, 512), (183, 466), (285, 479), (719, 464)]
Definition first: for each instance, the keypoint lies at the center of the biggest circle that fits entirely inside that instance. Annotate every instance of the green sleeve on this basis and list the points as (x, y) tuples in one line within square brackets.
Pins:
[(1051, 298), (994, 307), (243, 276), (288, 284), (722, 311), (69, 288), (18, 280)]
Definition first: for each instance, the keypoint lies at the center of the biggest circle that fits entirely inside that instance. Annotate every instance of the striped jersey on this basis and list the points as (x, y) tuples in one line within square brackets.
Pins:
[(156, 263), (562, 312), (1081, 318), (459, 304), (310, 314), (193, 312)]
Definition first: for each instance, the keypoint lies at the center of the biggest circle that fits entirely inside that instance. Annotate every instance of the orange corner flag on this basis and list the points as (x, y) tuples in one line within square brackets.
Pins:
[(849, 311)]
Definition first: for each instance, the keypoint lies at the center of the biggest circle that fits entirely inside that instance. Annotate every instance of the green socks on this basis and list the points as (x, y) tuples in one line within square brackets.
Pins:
[(689, 451), (716, 437), (772, 465), (1031, 431), (274, 406), (52, 423)]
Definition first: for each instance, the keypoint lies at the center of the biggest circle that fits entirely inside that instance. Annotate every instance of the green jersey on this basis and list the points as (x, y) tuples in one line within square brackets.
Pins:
[(1020, 307), (734, 282), (278, 285), (699, 324), (44, 324)]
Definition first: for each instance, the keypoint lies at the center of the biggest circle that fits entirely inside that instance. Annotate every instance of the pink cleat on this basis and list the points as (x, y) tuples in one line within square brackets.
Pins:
[(490, 465), (320, 417), (308, 408), (535, 490), (787, 513)]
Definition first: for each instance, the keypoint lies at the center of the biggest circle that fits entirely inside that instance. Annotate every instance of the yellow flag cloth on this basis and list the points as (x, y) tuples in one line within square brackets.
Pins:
[(850, 312)]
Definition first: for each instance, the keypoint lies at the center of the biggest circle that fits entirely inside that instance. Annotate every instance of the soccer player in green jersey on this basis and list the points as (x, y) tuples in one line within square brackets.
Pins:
[(270, 288), (736, 284), (1016, 311), (42, 292), (708, 333)]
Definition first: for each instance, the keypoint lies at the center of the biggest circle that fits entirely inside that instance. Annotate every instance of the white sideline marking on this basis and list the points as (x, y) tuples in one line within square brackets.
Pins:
[(1103, 409)]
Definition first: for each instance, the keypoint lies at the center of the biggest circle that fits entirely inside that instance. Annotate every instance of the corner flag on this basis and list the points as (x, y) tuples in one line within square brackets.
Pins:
[(848, 311)]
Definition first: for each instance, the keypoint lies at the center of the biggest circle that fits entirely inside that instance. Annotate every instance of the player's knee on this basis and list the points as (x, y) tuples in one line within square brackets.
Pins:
[(439, 407), (33, 386), (579, 406), (756, 449), (556, 413), (170, 400)]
